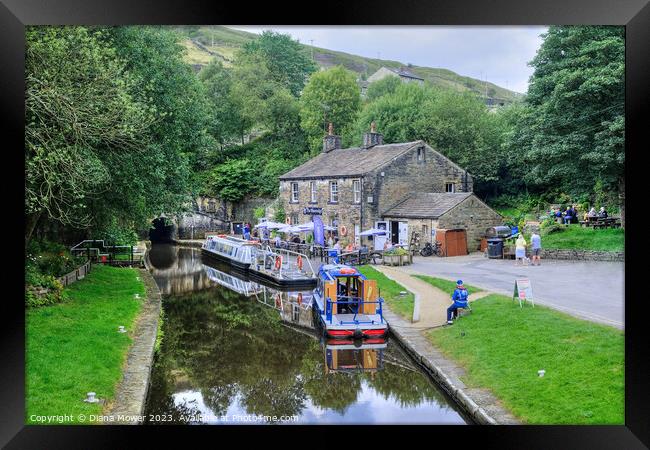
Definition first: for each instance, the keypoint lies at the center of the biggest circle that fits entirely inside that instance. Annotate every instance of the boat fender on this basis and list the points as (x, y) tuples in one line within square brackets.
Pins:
[(278, 262), (299, 298), (358, 334), (299, 262)]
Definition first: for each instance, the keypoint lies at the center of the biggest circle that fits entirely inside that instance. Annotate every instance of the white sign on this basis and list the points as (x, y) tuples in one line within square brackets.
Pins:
[(523, 291)]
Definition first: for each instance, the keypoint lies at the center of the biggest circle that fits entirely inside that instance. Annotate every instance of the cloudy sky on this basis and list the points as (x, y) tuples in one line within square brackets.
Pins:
[(499, 53)]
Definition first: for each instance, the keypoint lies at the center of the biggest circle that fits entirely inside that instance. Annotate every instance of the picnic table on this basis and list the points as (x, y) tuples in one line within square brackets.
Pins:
[(600, 222)]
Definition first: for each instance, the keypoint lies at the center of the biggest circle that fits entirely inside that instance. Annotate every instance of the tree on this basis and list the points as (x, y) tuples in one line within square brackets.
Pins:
[(330, 96), (232, 180), (386, 85), (286, 59), (575, 129), (79, 108)]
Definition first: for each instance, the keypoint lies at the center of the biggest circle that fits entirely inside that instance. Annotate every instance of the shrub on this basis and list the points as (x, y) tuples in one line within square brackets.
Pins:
[(45, 291), (553, 228)]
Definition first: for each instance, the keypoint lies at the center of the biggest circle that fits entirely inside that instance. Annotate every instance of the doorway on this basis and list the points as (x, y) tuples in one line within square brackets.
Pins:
[(394, 232)]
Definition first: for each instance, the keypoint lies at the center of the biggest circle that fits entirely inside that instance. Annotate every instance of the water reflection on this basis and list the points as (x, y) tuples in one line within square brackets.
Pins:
[(235, 351)]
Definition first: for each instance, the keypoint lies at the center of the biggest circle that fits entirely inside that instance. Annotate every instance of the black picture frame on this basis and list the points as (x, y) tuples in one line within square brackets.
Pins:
[(633, 14)]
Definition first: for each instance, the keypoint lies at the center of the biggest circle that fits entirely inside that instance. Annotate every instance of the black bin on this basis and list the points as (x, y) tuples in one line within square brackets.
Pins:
[(495, 248)]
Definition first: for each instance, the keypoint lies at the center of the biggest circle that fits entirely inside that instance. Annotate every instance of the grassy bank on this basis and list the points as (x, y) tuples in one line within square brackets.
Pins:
[(574, 237), (390, 291), (74, 347), (502, 346), (447, 285)]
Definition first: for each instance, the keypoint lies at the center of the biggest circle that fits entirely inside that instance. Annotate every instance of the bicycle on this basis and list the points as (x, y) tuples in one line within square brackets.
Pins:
[(431, 249)]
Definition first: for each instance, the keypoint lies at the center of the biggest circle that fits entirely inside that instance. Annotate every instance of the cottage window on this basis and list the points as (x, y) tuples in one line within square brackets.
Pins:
[(450, 187), (424, 231), (420, 153), (294, 192), (294, 219), (312, 190), (334, 191), (356, 190)]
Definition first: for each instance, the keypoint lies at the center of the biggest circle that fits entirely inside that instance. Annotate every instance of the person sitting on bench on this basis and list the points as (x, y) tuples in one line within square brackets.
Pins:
[(459, 298)]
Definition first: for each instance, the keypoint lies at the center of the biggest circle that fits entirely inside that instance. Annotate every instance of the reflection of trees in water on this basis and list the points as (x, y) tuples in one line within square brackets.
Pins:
[(229, 345)]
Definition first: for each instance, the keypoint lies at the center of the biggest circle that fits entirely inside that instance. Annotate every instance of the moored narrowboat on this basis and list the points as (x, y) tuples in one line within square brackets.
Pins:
[(347, 303)]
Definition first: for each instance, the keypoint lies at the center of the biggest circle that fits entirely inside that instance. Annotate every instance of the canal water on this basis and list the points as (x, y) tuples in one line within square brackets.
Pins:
[(237, 352)]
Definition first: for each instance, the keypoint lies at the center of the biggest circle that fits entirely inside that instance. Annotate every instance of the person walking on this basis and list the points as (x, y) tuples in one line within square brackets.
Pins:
[(520, 250), (459, 298), (247, 232), (536, 246)]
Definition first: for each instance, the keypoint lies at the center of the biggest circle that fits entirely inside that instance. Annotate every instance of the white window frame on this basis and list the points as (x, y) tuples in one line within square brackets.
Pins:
[(294, 192), (334, 191), (312, 192), (356, 191), (453, 187), (420, 153)]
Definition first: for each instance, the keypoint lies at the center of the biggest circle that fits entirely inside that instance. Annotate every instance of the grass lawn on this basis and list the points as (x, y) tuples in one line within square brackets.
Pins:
[(389, 290), (447, 285), (502, 346), (74, 347), (576, 237)]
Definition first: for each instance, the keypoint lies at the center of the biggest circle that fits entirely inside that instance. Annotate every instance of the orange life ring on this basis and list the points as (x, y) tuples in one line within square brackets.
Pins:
[(299, 262), (299, 298), (346, 270), (278, 262), (278, 301), (344, 230)]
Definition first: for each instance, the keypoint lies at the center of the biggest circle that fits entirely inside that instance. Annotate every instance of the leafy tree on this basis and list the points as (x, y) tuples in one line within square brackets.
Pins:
[(575, 129), (232, 180), (330, 96), (287, 60), (79, 108), (386, 85)]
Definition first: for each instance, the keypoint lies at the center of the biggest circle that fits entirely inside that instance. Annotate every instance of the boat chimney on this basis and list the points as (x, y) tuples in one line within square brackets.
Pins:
[(331, 141), (373, 138)]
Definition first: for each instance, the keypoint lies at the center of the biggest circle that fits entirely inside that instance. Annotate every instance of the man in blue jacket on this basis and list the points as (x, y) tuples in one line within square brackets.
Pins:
[(460, 300)]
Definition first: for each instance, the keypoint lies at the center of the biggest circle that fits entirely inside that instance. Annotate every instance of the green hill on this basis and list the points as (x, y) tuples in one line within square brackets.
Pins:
[(206, 42)]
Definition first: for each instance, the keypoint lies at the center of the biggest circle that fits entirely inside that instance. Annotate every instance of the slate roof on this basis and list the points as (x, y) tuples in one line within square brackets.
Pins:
[(402, 72), (353, 161), (429, 205)]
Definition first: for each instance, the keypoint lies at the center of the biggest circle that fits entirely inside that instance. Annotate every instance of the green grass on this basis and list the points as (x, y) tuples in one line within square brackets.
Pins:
[(74, 347), (447, 285), (575, 237), (502, 346), (389, 290)]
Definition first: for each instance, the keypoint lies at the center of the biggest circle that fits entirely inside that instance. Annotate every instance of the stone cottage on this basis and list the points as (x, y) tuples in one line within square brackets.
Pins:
[(404, 74), (356, 187)]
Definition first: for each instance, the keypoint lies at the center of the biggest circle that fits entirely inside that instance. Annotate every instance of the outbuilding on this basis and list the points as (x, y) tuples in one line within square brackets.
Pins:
[(424, 213)]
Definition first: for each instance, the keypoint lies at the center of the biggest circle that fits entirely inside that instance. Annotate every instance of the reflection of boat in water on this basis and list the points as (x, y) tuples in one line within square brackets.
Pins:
[(354, 356), (279, 267), (348, 304), (233, 283)]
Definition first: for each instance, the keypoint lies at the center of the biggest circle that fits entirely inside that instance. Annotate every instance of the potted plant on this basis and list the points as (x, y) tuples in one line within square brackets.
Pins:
[(397, 257)]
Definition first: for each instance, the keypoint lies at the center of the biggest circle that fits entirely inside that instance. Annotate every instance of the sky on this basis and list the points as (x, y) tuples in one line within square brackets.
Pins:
[(498, 53)]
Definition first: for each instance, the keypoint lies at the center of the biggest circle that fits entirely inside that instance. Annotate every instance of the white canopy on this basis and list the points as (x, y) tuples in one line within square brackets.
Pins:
[(271, 225), (372, 232)]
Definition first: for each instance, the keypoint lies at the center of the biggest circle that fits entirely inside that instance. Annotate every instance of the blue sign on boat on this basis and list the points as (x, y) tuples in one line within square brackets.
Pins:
[(312, 211)]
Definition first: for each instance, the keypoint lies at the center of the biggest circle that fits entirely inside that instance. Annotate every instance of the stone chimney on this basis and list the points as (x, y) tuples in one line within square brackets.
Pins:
[(373, 138), (331, 141)]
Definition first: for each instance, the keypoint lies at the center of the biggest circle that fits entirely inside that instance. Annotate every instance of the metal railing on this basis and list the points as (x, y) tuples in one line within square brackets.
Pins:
[(289, 262), (358, 302), (96, 250)]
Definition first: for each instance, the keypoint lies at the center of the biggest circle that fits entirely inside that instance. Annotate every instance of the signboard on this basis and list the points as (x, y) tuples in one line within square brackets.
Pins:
[(523, 291), (311, 211)]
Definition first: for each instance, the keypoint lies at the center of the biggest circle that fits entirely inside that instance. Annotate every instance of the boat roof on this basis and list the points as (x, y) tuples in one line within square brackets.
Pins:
[(232, 239), (333, 271)]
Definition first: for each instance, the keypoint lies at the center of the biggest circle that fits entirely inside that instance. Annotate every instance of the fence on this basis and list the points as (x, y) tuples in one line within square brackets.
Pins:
[(76, 275)]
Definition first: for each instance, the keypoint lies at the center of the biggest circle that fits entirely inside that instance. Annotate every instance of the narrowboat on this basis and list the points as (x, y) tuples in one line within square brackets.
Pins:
[(344, 356), (243, 287), (279, 267), (347, 304)]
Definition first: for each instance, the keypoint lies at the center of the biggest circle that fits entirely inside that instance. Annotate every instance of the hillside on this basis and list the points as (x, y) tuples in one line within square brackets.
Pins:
[(206, 42)]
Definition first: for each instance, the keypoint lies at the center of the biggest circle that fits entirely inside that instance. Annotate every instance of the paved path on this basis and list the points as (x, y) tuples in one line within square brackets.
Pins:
[(587, 289), (433, 302)]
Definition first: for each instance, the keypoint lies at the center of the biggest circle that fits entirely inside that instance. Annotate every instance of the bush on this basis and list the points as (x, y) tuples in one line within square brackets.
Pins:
[(553, 228), (45, 290)]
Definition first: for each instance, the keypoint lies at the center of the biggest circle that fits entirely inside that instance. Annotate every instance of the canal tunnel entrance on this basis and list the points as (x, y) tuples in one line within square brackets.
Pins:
[(162, 230)]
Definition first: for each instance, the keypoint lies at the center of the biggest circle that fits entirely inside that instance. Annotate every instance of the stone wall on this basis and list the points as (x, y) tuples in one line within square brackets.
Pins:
[(195, 225), (474, 216), (582, 255)]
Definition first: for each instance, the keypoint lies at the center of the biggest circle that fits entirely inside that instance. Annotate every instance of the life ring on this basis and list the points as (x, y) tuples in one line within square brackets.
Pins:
[(278, 301), (344, 230), (299, 298), (347, 270), (278, 262), (299, 262), (287, 220)]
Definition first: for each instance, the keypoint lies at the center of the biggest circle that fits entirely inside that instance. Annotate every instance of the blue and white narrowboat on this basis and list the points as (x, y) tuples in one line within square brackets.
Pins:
[(347, 303)]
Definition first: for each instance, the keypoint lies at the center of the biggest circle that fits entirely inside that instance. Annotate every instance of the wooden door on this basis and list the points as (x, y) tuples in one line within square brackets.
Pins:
[(370, 293)]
